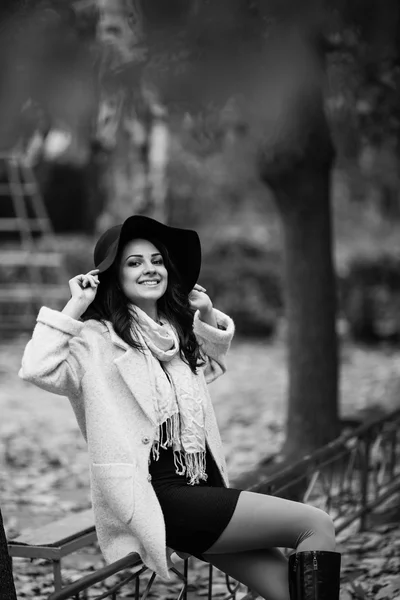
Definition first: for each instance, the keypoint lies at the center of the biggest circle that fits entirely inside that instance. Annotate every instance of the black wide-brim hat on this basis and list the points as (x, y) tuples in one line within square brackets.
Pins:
[(183, 245)]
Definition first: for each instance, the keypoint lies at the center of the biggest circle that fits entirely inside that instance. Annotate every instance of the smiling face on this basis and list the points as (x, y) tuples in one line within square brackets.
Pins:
[(142, 274)]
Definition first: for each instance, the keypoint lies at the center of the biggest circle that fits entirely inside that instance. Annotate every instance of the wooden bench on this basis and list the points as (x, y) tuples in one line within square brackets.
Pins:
[(55, 540)]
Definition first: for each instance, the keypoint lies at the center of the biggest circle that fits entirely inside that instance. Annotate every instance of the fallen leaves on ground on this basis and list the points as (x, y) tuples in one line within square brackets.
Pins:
[(44, 464)]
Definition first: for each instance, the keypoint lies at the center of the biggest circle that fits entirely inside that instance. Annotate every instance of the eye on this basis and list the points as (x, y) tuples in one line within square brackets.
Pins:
[(158, 261), (133, 263)]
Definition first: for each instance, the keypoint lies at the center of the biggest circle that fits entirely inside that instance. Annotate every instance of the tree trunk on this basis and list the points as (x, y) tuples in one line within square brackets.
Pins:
[(297, 165), (132, 123), (312, 418), (7, 587)]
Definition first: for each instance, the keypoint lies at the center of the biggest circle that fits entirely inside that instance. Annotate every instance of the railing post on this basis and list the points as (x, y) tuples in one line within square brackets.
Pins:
[(365, 482), (137, 588), (186, 578), (57, 575), (210, 581)]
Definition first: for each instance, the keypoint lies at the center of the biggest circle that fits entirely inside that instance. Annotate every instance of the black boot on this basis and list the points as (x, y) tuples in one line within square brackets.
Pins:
[(314, 575)]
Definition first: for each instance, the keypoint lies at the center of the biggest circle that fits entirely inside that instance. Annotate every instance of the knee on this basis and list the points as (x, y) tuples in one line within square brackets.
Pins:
[(325, 528)]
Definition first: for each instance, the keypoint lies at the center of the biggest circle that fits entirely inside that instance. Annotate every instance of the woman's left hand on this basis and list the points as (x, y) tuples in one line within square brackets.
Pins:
[(199, 300)]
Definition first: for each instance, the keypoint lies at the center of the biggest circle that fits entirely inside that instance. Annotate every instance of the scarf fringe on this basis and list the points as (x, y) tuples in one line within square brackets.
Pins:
[(193, 464), (181, 413)]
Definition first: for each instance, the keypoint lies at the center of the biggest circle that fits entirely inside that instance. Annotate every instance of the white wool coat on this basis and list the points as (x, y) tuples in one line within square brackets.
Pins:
[(112, 395)]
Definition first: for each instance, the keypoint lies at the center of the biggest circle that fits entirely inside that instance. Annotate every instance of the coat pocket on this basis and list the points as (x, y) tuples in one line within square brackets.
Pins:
[(115, 483)]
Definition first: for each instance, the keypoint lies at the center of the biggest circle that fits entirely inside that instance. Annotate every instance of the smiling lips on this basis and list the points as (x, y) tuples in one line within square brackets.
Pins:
[(150, 282)]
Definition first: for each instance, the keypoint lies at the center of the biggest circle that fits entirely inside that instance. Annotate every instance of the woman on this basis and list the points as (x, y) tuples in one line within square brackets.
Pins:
[(133, 350)]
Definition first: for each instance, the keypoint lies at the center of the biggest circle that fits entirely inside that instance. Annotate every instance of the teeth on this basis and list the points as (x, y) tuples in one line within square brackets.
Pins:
[(149, 283)]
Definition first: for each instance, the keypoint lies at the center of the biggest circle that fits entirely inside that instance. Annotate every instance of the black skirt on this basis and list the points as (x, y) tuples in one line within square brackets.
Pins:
[(195, 515)]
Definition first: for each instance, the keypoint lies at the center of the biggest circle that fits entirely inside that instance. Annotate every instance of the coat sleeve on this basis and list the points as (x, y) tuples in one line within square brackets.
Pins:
[(55, 355), (214, 342)]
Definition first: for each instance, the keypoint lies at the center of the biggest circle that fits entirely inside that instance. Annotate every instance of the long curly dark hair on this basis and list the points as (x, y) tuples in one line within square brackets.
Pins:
[(111, 304)]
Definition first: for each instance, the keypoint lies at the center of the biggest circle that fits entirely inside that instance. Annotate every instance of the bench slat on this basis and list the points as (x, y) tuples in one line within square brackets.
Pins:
[(58, 532)]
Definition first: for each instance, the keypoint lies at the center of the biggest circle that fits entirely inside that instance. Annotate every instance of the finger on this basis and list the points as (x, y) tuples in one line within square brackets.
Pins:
[(81, 279), (93, 278), (88, 282), (93, 272), (92, 281), (199, 288)]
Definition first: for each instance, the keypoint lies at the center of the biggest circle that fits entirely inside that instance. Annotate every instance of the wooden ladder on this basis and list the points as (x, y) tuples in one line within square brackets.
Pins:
[(23, 282)]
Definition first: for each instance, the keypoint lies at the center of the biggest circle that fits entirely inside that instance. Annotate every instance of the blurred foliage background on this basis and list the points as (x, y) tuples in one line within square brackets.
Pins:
[(191, 111), (50, 70)]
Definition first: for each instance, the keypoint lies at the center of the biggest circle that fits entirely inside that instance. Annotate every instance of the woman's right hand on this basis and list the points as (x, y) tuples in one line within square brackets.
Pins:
[(84, 288)]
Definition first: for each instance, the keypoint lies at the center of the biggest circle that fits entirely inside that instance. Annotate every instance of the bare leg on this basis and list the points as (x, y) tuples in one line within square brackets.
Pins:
[(247, 548), (263, 571), (261, 522)]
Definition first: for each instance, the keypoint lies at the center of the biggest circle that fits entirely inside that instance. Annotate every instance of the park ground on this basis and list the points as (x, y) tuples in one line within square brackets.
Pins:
[(43, 472)]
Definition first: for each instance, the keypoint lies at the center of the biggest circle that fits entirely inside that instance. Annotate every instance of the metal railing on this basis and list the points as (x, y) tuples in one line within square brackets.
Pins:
[(348, 478), (142, 580)]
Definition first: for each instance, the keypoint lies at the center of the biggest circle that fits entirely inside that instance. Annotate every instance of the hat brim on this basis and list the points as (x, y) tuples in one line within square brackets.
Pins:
[(183, 246)]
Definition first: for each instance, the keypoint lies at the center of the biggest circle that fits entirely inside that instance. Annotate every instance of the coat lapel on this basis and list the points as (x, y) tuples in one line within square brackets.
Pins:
[(134, 370)]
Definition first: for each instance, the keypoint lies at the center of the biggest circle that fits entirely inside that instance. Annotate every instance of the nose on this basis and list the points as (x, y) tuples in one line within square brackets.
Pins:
[(149, 268)]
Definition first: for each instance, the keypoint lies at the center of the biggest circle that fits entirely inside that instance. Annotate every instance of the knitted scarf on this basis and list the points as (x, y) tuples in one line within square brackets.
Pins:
[(180, 414)]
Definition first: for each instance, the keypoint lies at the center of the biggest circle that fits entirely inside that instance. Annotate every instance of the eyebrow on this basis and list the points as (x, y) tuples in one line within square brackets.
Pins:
[(141, 255)]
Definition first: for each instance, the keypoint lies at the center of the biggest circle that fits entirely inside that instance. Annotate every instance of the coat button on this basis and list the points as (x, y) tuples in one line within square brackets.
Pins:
[(149, 477), (146, 440)]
